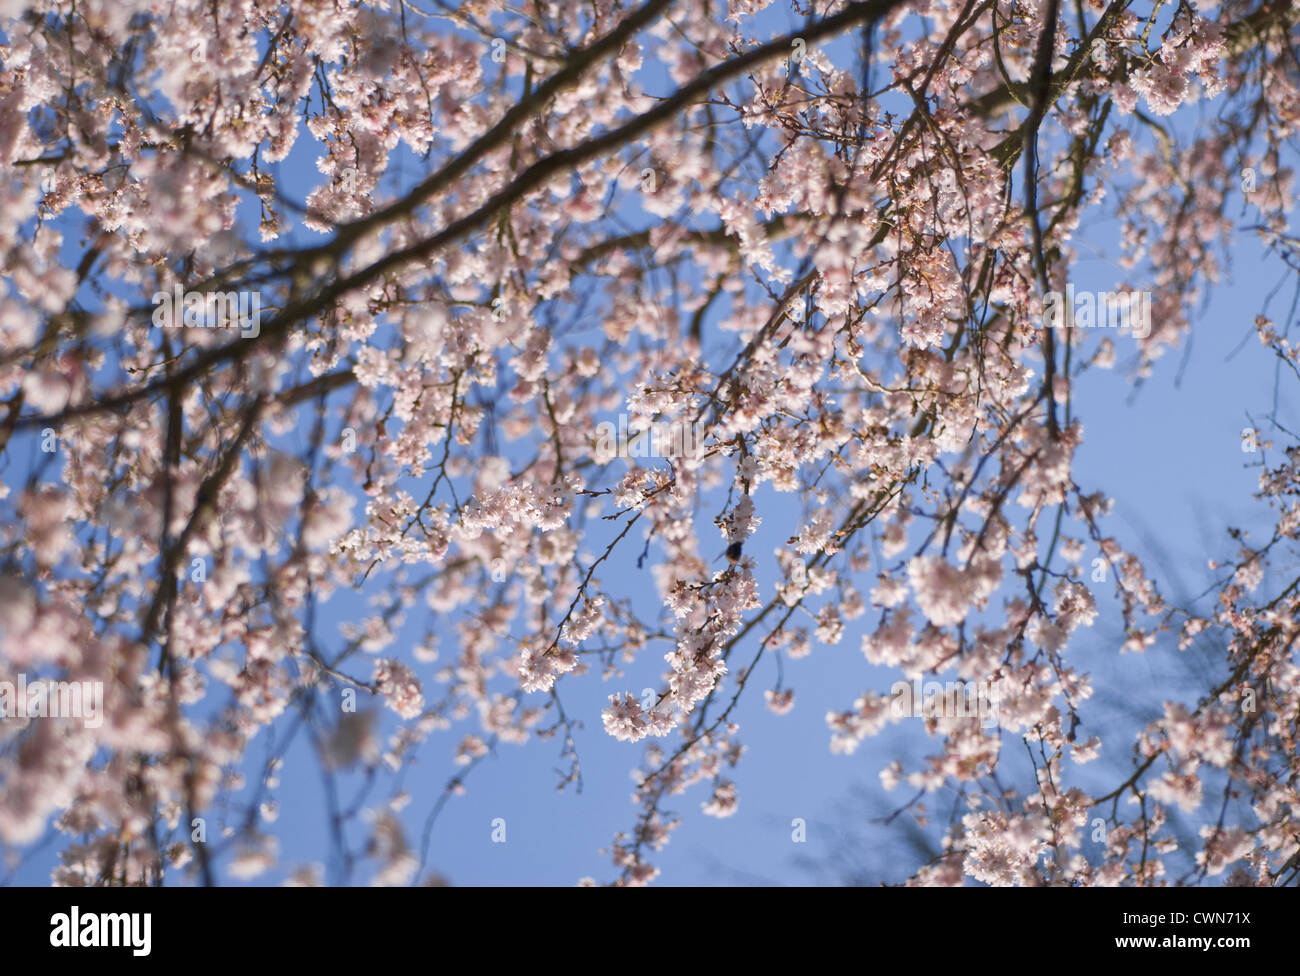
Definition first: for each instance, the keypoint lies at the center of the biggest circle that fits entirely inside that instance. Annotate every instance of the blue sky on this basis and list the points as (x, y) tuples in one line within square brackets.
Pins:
[(1169, 453)]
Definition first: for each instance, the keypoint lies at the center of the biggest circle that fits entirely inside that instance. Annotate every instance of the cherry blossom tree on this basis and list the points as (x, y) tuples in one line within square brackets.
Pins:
[(817, 235)]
